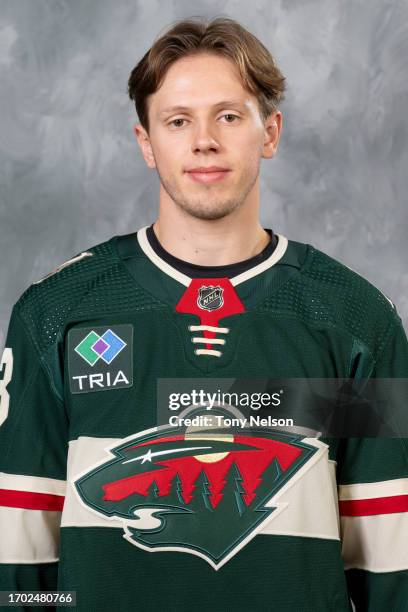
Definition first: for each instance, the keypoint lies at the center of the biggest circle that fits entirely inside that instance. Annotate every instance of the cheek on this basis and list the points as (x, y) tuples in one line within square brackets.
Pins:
[(167, 160), (248, 153), (171, 151), (247, 144)]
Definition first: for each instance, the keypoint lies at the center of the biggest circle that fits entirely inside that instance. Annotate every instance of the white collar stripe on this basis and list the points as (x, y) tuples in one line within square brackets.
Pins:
[(158, 261), (277, 254), (146, 247)]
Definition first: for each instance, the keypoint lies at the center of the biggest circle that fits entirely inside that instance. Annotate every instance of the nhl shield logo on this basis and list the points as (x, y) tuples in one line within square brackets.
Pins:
[(210, 297), (203, 493)]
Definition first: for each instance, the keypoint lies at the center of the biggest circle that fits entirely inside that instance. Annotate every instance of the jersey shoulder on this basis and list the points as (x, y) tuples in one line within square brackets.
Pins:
[(47, 302), (327, 293), (336, 278), (89, 285), (351, 301)]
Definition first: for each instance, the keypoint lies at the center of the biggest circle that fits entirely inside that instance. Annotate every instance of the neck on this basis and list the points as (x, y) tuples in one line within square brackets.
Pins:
[(219, 242)]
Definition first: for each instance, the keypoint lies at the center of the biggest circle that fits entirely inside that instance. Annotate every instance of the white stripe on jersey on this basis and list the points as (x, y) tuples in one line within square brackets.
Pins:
[(371, 490), (377, 543), (29, 536), (34, 484)]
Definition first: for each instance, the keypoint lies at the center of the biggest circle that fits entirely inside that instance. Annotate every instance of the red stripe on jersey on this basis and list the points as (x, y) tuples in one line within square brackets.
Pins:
[(30, 500), (376, 505)]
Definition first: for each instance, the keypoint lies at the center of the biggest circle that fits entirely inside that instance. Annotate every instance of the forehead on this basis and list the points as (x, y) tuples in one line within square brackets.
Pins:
[(200, 80)]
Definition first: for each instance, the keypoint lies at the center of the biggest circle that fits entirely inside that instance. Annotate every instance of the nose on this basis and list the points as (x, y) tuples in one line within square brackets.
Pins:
[(204, 138)]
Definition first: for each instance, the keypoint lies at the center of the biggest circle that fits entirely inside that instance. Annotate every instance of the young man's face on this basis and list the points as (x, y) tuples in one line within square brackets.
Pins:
[(220, 126)]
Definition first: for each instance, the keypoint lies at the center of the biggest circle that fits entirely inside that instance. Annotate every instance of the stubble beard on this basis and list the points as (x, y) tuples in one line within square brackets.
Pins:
[(213, 207)]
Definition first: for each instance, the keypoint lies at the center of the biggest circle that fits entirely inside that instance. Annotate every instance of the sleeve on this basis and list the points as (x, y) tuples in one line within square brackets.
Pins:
[(33, 454), (373, 501)]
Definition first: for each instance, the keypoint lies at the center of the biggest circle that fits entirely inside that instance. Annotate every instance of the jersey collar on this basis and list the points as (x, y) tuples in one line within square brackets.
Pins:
[(185, 280)]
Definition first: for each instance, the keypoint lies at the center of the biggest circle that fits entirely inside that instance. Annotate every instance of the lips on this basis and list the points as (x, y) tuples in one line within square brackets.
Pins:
[(208, 169), (210, 174)]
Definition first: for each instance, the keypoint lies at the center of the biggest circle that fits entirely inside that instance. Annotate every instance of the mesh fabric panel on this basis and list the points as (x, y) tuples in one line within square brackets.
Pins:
[(327, 292), (95, 285)]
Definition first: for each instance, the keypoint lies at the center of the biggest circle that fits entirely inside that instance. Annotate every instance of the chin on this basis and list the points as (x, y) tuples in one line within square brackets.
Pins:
[(209, 215)]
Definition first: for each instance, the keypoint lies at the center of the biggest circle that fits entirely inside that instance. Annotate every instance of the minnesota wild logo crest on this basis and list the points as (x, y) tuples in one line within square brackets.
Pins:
[(206, 492)]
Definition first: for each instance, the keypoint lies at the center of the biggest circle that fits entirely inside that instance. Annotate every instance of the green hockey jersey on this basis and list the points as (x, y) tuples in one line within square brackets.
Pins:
[(98, 498)]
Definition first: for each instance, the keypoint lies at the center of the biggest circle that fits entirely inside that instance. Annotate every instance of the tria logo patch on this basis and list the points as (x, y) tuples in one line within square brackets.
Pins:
[(94, 347), (100, 358), (206, 493)]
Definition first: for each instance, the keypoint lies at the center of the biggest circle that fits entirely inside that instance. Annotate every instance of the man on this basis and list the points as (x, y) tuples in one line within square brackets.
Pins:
[(100, 497)]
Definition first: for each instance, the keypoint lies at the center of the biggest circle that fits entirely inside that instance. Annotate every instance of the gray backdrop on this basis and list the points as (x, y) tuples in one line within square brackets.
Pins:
[(72, 174)]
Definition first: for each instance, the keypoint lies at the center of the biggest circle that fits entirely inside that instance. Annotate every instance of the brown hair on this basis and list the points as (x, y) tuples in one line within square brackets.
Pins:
[(223, 36)]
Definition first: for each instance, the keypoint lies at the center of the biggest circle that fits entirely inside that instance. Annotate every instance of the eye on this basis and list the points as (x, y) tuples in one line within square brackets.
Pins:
[(173, 121), (230, 115)]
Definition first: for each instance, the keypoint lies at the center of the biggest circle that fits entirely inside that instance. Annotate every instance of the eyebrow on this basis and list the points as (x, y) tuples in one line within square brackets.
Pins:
[(221, 104)]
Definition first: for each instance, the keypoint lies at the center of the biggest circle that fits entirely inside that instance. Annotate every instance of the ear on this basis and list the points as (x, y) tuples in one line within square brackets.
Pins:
[(272, 127), (144, 144)]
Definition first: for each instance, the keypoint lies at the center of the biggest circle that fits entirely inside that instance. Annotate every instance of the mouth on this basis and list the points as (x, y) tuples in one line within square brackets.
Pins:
[(208, 176)]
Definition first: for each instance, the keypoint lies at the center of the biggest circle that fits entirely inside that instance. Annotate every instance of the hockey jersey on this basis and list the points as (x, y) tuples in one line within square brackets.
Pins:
[(96, 497)]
